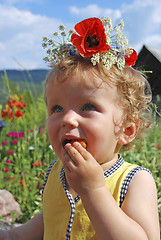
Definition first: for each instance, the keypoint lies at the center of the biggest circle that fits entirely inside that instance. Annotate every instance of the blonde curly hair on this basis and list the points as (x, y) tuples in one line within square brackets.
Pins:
[(134, 92)]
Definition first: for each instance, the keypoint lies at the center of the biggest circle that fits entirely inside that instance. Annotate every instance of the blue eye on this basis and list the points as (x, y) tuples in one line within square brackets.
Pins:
[(57, 108), (88, 107)]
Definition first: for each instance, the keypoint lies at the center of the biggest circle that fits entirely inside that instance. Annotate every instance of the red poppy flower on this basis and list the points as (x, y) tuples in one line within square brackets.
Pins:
[(91, 38), (36, 163), (7, 113), (131, 59), (21, 182), (18, 114), (17, 103)]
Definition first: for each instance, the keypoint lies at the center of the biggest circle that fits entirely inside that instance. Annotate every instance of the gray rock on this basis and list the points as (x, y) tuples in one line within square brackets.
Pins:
[(9, 208), (8, 226)]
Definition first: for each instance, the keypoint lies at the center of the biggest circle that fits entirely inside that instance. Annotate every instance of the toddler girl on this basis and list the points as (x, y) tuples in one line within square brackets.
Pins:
[(95, 103)]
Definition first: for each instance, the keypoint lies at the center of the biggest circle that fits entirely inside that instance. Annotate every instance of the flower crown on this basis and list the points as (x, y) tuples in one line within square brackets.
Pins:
[(95, 39)]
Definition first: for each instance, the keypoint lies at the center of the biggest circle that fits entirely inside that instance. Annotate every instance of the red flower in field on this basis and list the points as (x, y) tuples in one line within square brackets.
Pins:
[(21, 182), (157, 146), (10, 152), (14, 142), (20, 134), (5, 169), (40, 130), (131, 59), (13, 179), (12, 134), (7, 113), (15, 134), (4, 143), (17, 103), (91, 38), (36, 163), (18, 114), (8, 161), (9, 110)]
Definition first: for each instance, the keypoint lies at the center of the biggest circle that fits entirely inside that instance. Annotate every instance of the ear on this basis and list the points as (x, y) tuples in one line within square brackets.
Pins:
[(128, 134)]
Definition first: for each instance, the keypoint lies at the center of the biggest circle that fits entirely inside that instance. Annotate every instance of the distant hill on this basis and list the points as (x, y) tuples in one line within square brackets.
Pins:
[(36, 76)]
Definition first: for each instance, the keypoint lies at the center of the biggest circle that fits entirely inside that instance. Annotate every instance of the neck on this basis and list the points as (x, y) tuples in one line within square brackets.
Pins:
[(107, 165)]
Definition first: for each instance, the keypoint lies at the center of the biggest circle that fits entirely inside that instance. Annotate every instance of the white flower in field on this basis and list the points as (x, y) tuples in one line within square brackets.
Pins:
[(50, 147), (31, 148)]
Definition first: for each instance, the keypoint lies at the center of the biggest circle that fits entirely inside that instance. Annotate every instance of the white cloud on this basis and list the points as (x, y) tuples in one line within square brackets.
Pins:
[(143, 21), (94, 10), (22, 37), (153, 40), (12, 2)]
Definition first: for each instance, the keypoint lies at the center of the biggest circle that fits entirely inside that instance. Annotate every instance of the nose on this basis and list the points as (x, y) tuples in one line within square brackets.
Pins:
[(70, 119)]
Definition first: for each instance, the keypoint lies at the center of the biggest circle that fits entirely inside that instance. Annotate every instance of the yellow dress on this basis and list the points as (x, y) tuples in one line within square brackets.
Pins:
[(64, 217)]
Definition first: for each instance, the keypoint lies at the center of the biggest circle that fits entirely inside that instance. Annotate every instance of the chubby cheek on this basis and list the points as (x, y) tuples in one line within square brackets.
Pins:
[(52, 135), (101, 141), (95, 141)]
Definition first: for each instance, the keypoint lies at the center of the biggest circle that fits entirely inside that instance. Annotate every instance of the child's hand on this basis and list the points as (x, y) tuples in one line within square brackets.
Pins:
[(83, 172)]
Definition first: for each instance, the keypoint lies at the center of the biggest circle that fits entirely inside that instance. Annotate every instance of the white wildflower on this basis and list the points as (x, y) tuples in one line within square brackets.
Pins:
[(71, 31), (107, 22), (50, 147), (108, 40), (120, 62), (95, 59), (61, 27), (63, 33), (31, 148), (122, 24), (55, 34), (45, 39)]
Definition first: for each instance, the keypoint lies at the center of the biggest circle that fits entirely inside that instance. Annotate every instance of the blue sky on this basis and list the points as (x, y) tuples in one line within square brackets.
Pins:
[(23, 23)]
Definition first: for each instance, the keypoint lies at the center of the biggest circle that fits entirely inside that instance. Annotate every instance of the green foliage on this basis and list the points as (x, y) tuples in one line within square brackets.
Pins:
[(25, 154), (18, 81), (24, 163)]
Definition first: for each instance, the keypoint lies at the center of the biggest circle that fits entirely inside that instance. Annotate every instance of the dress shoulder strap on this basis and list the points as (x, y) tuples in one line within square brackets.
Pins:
[(127, 181), (46, 177)]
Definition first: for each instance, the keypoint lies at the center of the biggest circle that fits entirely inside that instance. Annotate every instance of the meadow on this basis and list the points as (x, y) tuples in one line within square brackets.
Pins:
[(25, 152)]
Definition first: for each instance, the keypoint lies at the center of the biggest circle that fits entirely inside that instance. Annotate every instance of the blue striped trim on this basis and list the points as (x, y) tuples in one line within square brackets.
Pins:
[(72, 204), (127, 181), (46, 177), (114, 167)]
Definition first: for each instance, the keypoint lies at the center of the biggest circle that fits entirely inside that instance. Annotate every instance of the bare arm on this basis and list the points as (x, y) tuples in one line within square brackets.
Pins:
[(138, 218), (31, 230)]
